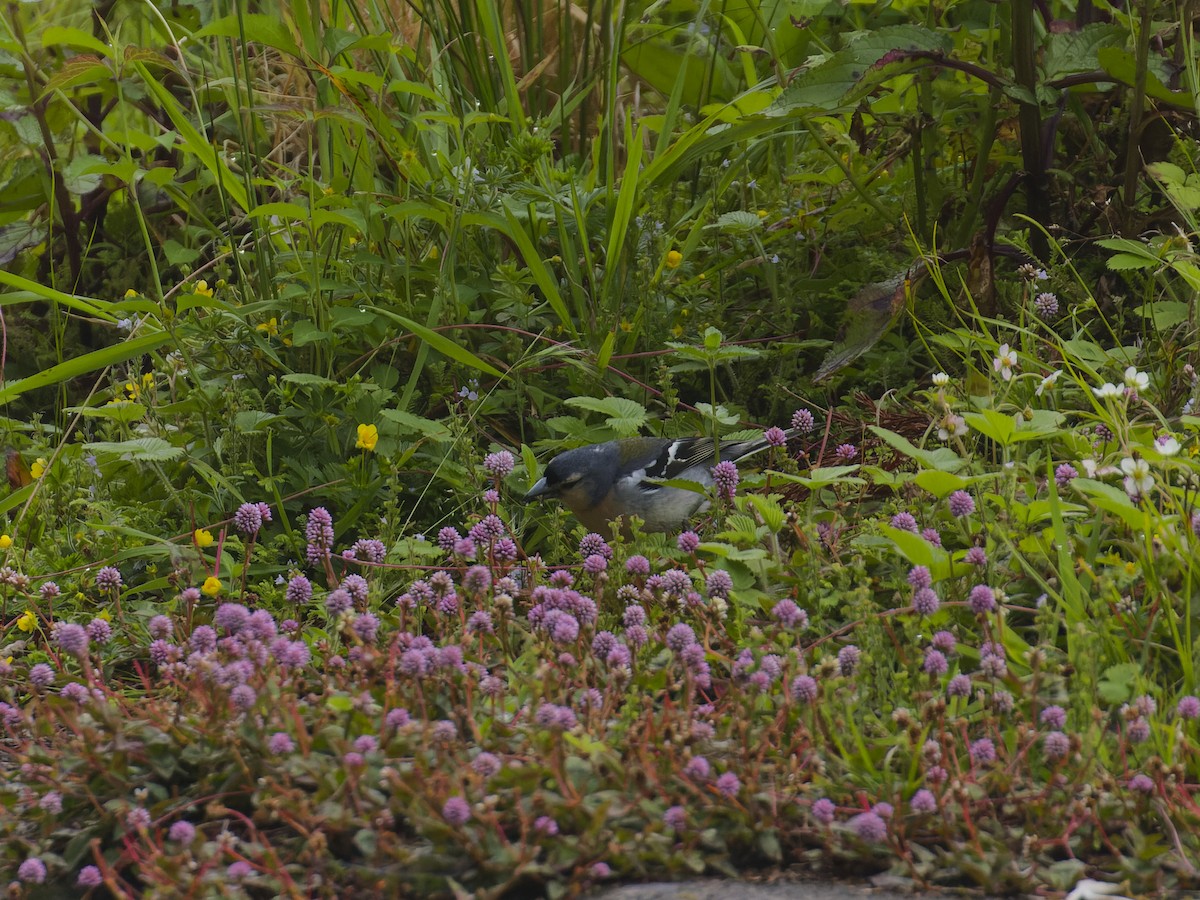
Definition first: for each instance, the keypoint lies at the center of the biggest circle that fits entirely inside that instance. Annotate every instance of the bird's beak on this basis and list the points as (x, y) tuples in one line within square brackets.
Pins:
[(538, 490)]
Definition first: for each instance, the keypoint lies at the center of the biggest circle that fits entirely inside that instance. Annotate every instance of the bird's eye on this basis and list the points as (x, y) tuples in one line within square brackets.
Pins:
[(572, 478)]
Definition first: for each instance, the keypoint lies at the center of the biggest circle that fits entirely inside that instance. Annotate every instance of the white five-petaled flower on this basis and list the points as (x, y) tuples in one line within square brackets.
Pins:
[(1138, 479), (1048, 382), (940, 379), (1135, 380), (1005, 362), (951, 426), (1107, 390), (1166, 444)]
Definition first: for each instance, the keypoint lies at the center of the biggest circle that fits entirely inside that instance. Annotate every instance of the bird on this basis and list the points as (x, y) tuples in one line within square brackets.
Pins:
[(601, 483)]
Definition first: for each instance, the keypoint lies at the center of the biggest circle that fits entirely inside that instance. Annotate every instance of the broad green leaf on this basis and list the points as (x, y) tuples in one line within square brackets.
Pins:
[(441, 343), (1113, 500), (148, 449), (919, 552), (940, 484), (408, 423), (943, 458), (124, 411), (624, 416), (83, 365), (993, 424), (57, 35), (259, 28)]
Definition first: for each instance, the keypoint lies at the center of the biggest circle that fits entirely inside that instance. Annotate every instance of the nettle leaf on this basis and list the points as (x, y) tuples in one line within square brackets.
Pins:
[(149, 449), (738, 222), (413, 424), (123, 411), (624, 416)]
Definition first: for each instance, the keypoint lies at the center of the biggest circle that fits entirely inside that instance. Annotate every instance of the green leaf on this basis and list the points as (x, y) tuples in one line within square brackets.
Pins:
[(1114, 500), (407, 423), (123, 411), (919, 552), (943, 458), (259, 28), (738, 222), (441, 343), (57, 35), (992, 424), (624, 416), (940, 484), (83, 365), (149, 449), (1117, 683)]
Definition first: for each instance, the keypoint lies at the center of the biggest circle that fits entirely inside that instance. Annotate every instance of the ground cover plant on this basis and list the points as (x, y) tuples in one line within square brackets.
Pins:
[(298, 302)]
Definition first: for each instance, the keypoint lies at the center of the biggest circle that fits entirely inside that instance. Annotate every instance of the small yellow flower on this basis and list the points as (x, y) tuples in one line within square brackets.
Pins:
[(39, 467), (6, 541), (28, 621), (762, 213), (368, 437), (626, 325), (433, 253), (212, 585), (203, 537), (130, 294), (270, 328), (203, 289), (103, 614), (674, 258), (677, 331), (147, 381), (132, 391)]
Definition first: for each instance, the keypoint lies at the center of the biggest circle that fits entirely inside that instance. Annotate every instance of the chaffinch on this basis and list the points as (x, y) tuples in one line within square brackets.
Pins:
[(604, 482)]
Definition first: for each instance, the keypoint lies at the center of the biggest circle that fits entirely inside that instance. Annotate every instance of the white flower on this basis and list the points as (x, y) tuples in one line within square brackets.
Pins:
[(940, 379), (1005, 362), (1166, 444), (1135, 380), (951, 426), (1138, 479), (1107, 390), (1048, 382)]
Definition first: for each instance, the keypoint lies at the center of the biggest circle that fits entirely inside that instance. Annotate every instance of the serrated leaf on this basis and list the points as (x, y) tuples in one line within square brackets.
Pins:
[(738, 222), (408, 423), (624, 416), (124, 411)]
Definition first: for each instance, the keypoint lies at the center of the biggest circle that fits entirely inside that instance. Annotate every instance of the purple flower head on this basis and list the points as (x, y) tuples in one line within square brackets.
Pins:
[(804, 688), (976, 556), (1055, 745), (338, 601), (1045, 305), (961, 504), (931, 535), (365, 626), (680, 636), (903, 521), (447, 537), (456, 811), (477, 580), (718, 584), (935, 662), (944, 641), (846, 452), (775, 436), (1054, 716), (697, 768), (883, 809), (499, 464), (248, 519), (789, 615), (41, 676), (919, 577), (594, 543), (243, 697), (51, 802), (595, 564), (109, 579), (983, 752), (637, 565), (725, 476), (803, 421), (925, 601), (688, 541), (239, 869), (49, 590), (89, 877), (299, 590), (231, 617), (675, 818), (1064, 474), (869, 827), (848, 659), (923, 801), (356, 586), (1188, 707), (486, 764), (71, 638), (823, 810), (32, 871), (318, 532), (981, 600), (99, 630), (464, 548), (545, 825), (1139, 730), (137, 818), (959, 686), (396, 718), (1143, 784), (729, 784)]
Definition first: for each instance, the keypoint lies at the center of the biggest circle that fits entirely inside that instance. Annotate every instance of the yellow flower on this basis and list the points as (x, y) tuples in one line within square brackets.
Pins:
[(626, 325), (130, 294), (132, 391), (203, 289), (39, 467), (270, 328), (28, 621), (212, 585), (762, 213), (5, 541), (203, 537), (674, 258), (103, 614), (368, 437)]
